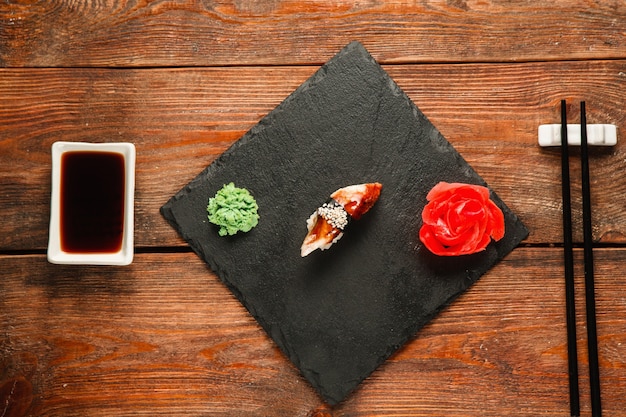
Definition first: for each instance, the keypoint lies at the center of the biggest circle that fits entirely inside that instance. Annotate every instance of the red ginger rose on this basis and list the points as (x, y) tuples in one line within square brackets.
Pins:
[(460, 219)]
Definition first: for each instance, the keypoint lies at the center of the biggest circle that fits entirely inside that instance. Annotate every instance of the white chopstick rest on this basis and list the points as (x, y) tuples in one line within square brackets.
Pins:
[(597, 135)]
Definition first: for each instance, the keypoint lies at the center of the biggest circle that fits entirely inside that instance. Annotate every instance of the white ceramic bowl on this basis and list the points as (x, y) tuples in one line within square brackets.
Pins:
[(56, 253)]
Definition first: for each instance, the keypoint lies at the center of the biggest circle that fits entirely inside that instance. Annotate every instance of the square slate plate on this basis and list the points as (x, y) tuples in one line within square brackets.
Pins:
[(339, 313)]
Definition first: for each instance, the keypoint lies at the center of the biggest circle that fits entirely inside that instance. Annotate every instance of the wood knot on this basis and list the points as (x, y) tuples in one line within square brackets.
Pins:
[(16, 395), (322, 411)]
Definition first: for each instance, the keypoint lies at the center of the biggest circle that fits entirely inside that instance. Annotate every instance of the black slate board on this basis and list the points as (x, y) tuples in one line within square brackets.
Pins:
[(340, 313)]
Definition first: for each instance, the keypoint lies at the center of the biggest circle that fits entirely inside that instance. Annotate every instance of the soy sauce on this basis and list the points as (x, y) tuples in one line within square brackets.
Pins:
[(92, 201)]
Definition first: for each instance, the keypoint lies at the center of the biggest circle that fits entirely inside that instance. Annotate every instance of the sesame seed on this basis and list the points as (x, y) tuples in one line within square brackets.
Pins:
[(334, 214)]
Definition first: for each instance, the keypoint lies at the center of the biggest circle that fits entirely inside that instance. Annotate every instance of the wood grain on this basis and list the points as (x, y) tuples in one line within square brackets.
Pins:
[(183, 80), (182, 119), (153, 338), (125, 33)]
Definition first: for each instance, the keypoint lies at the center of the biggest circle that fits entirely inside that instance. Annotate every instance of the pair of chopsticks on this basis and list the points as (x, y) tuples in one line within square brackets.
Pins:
[(592, 337)]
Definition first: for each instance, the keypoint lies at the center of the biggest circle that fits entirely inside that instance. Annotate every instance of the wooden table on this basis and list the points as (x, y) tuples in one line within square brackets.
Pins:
[(183, 80)]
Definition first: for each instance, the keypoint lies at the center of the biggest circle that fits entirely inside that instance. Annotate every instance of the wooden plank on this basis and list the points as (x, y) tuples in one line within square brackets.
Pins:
[(182, 119), (128, 33), (151, 337), (165, 339)]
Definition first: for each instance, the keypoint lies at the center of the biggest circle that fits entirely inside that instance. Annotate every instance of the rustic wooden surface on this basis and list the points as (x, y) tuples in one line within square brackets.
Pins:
[(183, 80)]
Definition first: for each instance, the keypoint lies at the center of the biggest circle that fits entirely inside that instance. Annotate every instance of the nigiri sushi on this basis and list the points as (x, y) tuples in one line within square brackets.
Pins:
[(327, 223)]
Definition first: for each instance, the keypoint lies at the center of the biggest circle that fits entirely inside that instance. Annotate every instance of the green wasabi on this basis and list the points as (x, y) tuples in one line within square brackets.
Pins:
[(233, 209)]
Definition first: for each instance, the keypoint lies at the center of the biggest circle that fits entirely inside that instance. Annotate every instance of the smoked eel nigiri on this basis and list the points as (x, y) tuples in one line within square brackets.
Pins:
[(327, 223)]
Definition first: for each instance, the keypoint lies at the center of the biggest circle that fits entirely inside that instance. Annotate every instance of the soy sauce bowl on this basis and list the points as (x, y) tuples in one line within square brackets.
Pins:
[(92, 203)]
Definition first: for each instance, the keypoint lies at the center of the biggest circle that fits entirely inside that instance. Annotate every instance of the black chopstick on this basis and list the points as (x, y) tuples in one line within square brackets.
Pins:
[(568, 257), (590, 300)]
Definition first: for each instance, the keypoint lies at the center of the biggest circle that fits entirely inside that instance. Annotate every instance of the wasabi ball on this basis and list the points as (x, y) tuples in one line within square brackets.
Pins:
[(233, 209)]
